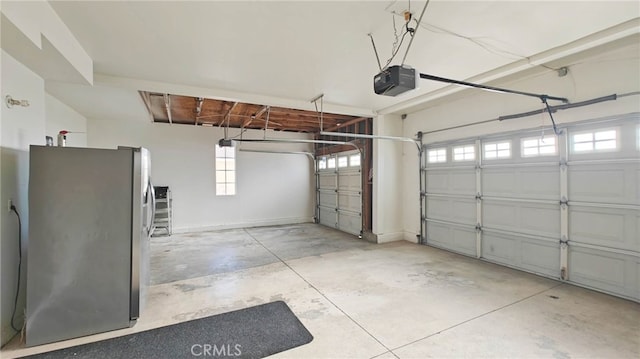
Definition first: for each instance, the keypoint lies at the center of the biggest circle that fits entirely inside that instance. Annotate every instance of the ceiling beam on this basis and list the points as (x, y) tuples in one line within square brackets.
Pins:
[(228, 114), (345, 124), (198, 109), (167, 105), (256, 116)]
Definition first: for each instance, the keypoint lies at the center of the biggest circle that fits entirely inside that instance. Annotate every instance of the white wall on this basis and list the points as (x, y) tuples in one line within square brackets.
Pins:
[(615, 71), (59, 117), (387, 180), (21, 127), (271, 188)]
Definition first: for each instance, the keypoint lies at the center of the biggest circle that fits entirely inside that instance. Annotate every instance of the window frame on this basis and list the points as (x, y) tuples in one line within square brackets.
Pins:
[(464, 153), (439, 157), (539, 140), (497, 150), (227, 184), (594, 141)]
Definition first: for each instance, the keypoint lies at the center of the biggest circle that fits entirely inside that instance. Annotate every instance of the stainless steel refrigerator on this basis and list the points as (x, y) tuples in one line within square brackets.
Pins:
[(90, 218)]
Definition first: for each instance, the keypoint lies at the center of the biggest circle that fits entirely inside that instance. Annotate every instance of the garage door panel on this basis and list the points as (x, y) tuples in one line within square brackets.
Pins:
[(609, 227), (463, 181), (349, 181), (451, 237), (349, 222), (327, 181), (457, 181), (613, 272), (605, 183), (350, 202), (584, 188), (541, 257), (538, 256), (452, 209), (528, 218), (534, 183), (328, 217), (328, 199), (339, 195), (499, 248)]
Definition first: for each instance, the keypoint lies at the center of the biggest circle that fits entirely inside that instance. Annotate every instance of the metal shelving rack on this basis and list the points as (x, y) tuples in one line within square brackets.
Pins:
[(163, 218)]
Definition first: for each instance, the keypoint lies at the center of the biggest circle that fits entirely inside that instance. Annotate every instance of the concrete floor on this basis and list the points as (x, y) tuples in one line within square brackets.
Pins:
[(362, 300)]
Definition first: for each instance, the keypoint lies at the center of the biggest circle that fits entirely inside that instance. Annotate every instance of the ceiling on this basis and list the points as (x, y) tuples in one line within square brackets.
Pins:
[(200, 111), (284, 53)]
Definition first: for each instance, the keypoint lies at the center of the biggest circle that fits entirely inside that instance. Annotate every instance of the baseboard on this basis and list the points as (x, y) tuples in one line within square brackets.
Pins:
[(411, 237), (390, 237), (249, 224)]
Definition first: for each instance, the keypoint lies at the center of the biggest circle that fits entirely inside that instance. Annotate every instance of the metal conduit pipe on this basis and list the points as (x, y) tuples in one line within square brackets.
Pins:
[(373, 137), (293, 140), (309, 154)]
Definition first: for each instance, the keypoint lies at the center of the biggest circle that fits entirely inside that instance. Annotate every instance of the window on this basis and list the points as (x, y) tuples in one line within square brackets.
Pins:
[(354, 160), (343, 161), (437, 155), (497, 150), (538, 146), (464, 153), (322, 163), (331, 162), (605, 140), (225, 171)]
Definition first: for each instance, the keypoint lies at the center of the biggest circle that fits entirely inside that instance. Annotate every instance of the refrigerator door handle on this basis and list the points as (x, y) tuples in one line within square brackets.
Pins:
[(152, 203)]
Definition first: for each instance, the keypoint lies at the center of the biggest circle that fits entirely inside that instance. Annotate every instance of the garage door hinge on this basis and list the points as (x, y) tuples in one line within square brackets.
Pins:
[(564, 202), (564, 241), (478, 228), (478, 197), (423, 194), (563, 163)]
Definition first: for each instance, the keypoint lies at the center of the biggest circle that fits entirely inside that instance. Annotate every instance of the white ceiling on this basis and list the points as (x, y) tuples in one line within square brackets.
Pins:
[(295, 50)]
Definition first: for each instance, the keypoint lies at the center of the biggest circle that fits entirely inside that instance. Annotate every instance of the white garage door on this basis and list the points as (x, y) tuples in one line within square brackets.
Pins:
[(339, 191), (564, 207)]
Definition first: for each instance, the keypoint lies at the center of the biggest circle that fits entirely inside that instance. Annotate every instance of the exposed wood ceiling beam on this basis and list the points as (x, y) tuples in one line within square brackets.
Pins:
[(228, 114), (256, 116), (146, 99), (342, 125), (167, 104), (198, 109)]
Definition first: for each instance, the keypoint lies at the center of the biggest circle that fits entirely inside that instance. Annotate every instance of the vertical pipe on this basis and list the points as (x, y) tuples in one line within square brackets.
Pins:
[(423, 190)]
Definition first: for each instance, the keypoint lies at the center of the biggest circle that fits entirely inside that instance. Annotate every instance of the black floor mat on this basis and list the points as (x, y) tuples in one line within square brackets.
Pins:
[(254, 332)]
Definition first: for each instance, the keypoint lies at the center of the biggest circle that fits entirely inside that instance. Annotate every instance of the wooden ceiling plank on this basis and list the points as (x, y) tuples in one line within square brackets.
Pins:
[(226, 115), (344, 124), (256, 116)]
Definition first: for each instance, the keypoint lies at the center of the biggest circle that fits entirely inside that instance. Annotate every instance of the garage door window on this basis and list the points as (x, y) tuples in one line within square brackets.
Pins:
[(464, 153), (497, 150), (225, 171), (539, 146), (331, 162), (343, 161), (322, 163), (602, 140), (437, 155), (354, 161)]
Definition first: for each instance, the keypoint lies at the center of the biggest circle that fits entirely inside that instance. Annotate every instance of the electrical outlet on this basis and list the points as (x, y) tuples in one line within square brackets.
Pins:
[(9, 205)]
